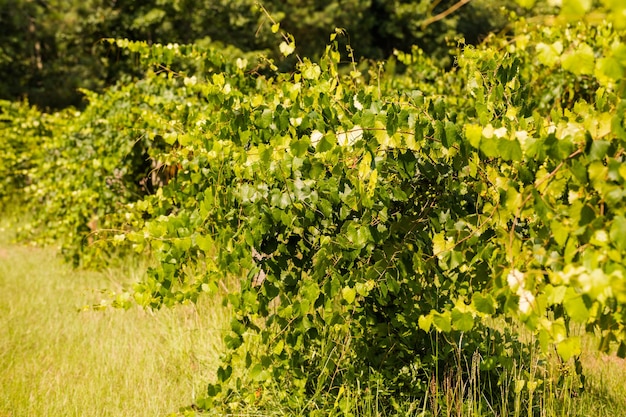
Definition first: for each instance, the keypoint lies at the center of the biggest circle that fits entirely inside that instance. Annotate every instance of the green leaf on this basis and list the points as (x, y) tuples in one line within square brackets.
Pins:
[(618, 232), (392, 120), (549, 55), (358, 235), (560, 232), (485, 304), (555, 295), (237, 327), (611, 68), (364, 288), (462, 321), (278, 347), (440, 133), (490, 147), (256, 372), (425, 322), (527, 4), (310, 291), (598, 150), (223, 373), (300, 147), (473, 133), (575, 8), (348, 294), (569, 347), (510, 150), (287, 48), (326, 143), (310, 71), (451, 135), (368, 119), (233, 342), (442, 321), (575, 306), (579, 61)]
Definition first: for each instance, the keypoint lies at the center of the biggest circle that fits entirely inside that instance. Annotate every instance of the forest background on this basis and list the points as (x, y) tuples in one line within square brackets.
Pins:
[(49, 49)]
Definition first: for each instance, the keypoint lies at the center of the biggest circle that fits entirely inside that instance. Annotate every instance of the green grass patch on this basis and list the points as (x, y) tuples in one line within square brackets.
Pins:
[(58, 360)]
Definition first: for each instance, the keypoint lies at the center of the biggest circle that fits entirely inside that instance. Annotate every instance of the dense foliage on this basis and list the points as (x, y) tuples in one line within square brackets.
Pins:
[(49, 49), (383, 226)]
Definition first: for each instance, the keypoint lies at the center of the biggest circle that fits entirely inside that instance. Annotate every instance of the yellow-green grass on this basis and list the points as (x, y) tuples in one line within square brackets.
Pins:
[(56, 360)]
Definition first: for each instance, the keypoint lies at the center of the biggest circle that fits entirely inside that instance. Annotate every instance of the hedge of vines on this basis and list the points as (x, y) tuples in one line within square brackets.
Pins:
[(383, 225)]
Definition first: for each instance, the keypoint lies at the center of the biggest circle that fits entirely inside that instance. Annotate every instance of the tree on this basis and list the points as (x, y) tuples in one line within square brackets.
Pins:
[(51, 48)]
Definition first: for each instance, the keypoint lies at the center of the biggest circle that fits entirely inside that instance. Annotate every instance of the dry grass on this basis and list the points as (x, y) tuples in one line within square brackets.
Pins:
[(59, 361)]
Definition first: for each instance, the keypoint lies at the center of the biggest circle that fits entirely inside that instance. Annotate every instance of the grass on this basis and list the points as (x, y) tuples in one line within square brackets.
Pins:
[(56, 360)]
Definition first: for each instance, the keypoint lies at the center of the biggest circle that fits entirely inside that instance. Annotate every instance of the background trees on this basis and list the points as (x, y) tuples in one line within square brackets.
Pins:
[(51, 48)]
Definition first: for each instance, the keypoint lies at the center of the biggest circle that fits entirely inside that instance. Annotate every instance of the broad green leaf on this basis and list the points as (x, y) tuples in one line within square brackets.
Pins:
[(364, 288), (237, 327), (611, 68), (223, 373), (618, 51), (473, 133), (575, 306), (348, 294), (618, 232), (358, 235), (368, 119), (569, 347), (440, 133), (278, 347), (549, 55), (490, 146), (442, 321), (558, 329), (555, 295), (560, 232), (575, 8), (310, 291), (579, 61), (326, 142), (391, 124), (256, 373), (425, 322), (598, 150), (485, 304), (510, 150), (450, 134), (462, 321), (597, 173), (287, 48), (441, 245), (233, 342), (300, 147), (310, 71), (527, 4), (205, 243)]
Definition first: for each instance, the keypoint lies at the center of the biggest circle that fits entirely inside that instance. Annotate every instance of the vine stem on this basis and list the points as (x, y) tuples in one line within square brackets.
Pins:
[(283, 34), (445, 13)]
